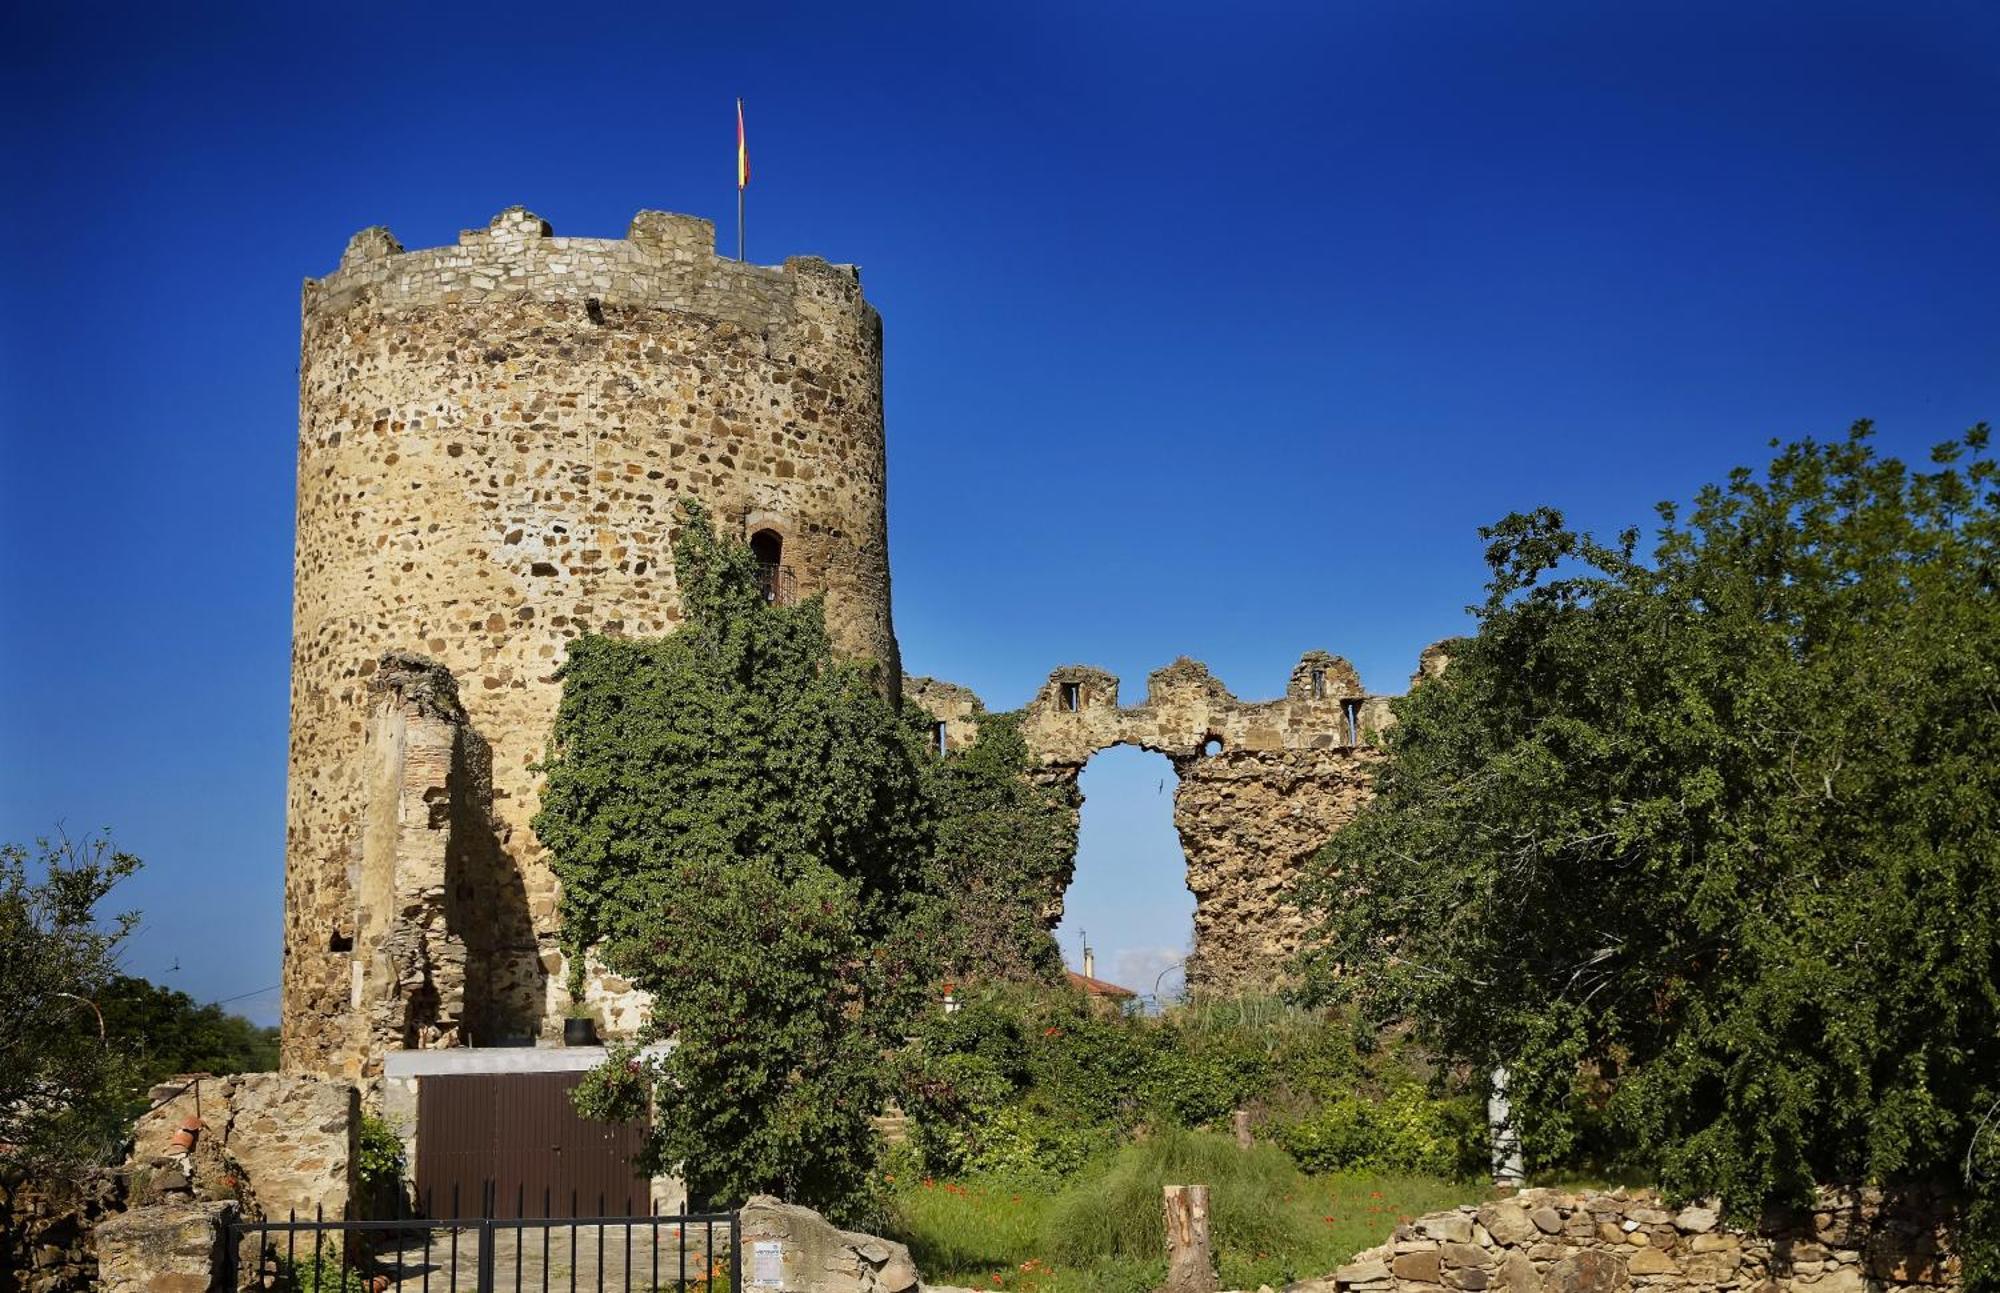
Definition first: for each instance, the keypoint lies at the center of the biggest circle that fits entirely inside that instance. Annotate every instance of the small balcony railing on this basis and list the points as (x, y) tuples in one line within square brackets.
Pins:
[(777, 584)]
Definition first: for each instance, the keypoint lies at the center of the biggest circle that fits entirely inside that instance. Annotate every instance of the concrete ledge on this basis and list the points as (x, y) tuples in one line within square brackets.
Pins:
[(502, 1059)]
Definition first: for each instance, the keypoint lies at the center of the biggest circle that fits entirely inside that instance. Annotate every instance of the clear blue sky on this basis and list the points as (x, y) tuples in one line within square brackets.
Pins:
[(1211, 331)]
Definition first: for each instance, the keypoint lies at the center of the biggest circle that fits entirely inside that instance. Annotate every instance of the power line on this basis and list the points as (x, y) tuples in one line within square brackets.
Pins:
[(241, 995)]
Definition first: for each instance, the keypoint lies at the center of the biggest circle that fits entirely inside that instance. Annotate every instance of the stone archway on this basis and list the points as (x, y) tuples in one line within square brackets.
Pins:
[(1288, 773)]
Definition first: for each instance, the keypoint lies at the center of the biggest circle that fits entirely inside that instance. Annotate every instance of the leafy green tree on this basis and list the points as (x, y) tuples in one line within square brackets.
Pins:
[(1005, 846), (165, 1032), (63, 1081), (738, 820), (1706, 849)]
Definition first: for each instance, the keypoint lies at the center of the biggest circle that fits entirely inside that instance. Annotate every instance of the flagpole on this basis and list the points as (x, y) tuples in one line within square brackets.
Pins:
[(739, 222)]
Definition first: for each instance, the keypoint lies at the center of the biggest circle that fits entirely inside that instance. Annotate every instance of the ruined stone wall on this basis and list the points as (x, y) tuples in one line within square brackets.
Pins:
[(1249, 821), (1549, 1241), (492, 439), (1262, 786), (274, 1143)]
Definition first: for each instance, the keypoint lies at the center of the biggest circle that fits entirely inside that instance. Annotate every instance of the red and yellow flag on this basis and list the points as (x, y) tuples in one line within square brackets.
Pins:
[(742, 152)]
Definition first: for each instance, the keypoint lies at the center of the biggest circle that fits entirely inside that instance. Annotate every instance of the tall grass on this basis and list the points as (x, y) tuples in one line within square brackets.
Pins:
[(1117, 1214), (1103, 1230)]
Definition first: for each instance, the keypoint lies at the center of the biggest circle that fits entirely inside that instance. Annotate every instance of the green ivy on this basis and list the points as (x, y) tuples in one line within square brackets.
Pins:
[(739, 821), (1005, 845)]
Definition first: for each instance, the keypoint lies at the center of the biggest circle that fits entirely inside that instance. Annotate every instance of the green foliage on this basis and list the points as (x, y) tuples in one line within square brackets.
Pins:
[(166, 1032), (739, 824), (1034, 1084), (380, 1163), (1407, 1131), (325, 1273), (1005, 844), (64, 1087), (1706, 850), (1101, 1231)]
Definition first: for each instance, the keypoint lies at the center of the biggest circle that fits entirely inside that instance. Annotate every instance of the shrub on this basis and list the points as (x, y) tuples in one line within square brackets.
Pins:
[(1408, 1131), (380, 1164)]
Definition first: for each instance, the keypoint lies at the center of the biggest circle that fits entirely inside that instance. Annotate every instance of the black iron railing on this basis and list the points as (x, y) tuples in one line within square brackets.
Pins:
[(487, 1253)]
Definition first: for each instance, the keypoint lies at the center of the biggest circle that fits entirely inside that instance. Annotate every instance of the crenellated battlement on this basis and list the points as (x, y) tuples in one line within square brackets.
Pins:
[(665, 261), (1187, 712)]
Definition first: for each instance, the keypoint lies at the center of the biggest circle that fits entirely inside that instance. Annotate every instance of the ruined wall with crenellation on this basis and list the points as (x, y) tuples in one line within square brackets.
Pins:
[(1262, 786), (493, 437)]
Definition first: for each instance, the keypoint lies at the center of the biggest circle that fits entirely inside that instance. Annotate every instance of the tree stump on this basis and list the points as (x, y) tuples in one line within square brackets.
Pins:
[(1190, 1263), (1239, 1122)]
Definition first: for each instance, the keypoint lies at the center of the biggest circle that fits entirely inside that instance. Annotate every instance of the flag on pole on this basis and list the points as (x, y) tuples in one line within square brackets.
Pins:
[(742, 152)]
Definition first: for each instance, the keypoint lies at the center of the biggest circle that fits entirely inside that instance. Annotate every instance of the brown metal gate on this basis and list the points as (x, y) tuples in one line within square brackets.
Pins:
[(515, 1140)]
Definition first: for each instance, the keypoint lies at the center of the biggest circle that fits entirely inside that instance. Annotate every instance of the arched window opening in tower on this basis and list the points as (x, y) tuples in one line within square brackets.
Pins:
[(774, 577), (1350, 712)]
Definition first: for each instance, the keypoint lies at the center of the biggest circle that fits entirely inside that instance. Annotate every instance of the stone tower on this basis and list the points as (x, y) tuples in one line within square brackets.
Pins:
[(492, 440)]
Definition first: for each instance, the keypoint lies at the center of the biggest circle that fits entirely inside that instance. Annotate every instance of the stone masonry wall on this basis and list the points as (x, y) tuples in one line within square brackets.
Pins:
[(1262, 786), (272, 1142), (1549, 1241), (492, 440)]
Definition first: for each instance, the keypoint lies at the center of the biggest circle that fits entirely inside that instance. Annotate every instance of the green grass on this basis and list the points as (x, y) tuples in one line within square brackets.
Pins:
[(1102, 1230)]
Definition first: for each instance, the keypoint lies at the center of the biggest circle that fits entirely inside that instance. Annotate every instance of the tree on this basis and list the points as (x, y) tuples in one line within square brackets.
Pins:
[(738, 821), (1706, 850), (1005, 846), (165, 1032), (63, 1082)]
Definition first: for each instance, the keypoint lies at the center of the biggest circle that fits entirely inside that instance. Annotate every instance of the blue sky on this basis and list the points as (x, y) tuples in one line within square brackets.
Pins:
[(1213, 331)]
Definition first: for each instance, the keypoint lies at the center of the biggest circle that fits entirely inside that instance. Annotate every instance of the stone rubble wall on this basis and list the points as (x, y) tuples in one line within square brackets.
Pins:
[(1549, 1241), (493, 437), (173, 1248), (1289, 773), (48, 1241), (274, 1143)]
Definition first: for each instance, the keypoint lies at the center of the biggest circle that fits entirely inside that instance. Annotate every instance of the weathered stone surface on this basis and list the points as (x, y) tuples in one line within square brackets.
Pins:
[(1421, 1267), (1453, 1226), (276, 1141), (817, 1257), (1651, 1261), (492, 439), (1517, 1274), (1372, 1271), (1695, 1221), (1588, 1271), (1290, 772), (173, 1248), (1900, 1245), (1508, 1223), (1466, 1254)]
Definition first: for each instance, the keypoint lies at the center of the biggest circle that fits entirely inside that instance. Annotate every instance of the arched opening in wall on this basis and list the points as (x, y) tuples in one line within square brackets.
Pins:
[(1211, 747), (1129, 899), (773, 576)]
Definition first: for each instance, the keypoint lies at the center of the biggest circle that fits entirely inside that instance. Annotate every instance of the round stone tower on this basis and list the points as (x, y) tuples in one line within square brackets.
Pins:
[(493, 437)]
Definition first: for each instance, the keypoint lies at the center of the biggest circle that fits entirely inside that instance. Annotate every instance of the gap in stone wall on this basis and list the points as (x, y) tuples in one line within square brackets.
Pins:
[(1129, 893)]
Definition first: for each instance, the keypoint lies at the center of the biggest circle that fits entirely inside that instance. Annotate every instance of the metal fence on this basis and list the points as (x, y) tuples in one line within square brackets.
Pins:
[(484, 1253)]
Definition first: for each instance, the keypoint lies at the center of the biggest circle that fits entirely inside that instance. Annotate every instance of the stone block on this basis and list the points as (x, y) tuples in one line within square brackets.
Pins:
[(1651, 1261), (1509, 1223), (814, 1256), (1588, 1271), (1418, 1266), (174, 1248), (1453, 1226)]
